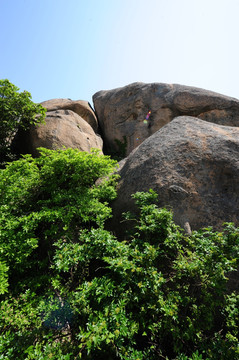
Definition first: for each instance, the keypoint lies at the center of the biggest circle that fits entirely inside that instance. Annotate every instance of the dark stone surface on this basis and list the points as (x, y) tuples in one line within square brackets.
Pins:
[(193, 165)]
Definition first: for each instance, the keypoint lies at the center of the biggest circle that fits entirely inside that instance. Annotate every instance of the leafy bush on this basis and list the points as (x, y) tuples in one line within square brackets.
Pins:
[(50, 198), (76, 292), (16, 111)]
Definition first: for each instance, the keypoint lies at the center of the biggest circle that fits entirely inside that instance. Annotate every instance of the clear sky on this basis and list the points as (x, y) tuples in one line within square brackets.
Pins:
[(74, 48)]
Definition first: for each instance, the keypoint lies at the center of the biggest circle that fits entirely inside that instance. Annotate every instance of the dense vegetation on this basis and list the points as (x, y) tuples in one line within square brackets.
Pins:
[(16, 111), (71, 290)]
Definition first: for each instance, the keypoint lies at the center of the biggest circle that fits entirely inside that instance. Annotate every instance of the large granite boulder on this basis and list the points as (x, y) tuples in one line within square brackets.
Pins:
[(80, 107), (193, 165), (122, 112), (62, 129)]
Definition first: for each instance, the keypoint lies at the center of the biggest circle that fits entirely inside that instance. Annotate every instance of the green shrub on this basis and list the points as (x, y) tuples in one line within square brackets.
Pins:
[(16, 111), (76, 292), (50, 198)]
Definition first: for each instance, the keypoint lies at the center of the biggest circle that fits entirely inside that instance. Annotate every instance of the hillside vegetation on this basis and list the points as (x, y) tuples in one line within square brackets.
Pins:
[(71, 290)]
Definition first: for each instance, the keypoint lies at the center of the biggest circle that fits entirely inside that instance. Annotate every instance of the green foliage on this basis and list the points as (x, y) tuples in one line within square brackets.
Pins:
[(76, 292), (50, 198), (122, 149), (3, 277), (16, 111)]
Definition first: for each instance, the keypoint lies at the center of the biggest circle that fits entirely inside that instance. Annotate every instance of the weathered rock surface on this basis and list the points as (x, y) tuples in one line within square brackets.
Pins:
[(121, 112), (193, 165), (80, 107), (62, 128)]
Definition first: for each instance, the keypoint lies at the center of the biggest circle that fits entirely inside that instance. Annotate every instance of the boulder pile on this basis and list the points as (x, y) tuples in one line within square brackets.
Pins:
[(181, 141), (122, 112)]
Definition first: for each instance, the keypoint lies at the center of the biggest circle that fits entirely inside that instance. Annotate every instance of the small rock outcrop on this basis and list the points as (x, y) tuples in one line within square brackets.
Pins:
[(193, 165), (69, 124), (80, 107), (122, 112)]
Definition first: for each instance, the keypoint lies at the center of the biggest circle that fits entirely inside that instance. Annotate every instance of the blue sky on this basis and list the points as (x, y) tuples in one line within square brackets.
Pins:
[(74, 48)]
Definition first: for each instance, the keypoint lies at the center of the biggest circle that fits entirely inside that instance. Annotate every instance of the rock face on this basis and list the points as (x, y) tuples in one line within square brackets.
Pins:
[(193, 165), (122, 112), (70, 124), (80, 107), (62, 128)]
